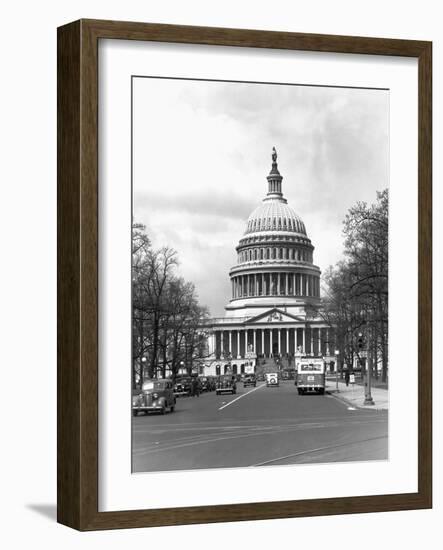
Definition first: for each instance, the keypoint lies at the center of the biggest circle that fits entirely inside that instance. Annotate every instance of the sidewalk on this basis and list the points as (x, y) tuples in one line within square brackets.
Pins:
[(355, 396)]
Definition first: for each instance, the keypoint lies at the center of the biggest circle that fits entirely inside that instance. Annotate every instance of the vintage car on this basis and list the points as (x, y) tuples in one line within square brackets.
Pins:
[(156, 395), (206, 383), (226, 384), (272, 379), (211, 382), (183, 386), (249, 380)]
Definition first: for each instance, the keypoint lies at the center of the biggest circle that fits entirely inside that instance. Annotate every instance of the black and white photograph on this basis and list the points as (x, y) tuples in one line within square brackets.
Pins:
[(259, 274)]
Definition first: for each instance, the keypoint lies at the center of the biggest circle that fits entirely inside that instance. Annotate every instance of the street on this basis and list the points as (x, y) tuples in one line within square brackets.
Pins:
[(257, 427)]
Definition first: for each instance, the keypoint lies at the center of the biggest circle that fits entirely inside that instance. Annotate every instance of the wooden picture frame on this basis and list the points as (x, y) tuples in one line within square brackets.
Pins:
[(78, 274)]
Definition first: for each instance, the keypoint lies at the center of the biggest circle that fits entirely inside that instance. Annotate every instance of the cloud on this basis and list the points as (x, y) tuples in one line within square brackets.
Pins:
[(216, 203), (202, 153)]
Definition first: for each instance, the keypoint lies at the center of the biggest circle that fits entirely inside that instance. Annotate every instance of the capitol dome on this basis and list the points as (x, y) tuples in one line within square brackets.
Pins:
[(275, 261), (274, 215)]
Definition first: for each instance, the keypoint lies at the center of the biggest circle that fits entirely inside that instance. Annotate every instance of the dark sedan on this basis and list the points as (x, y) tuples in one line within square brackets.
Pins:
[(226, 384)]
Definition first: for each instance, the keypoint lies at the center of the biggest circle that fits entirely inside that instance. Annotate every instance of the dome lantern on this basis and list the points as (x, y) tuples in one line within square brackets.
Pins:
[(274, 178)]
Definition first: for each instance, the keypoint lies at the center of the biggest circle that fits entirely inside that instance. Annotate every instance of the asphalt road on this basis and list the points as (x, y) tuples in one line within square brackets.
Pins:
[(257, 427)]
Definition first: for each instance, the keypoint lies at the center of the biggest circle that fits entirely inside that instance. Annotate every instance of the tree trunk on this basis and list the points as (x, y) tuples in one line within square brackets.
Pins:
[(153, 365), (384, 354)]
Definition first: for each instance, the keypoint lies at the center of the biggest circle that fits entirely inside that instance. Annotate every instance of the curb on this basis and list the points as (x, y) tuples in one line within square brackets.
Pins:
[(351, 404)]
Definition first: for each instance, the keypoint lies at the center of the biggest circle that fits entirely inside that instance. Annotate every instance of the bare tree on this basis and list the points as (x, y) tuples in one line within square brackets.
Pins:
[(167, 317), (356, 297)]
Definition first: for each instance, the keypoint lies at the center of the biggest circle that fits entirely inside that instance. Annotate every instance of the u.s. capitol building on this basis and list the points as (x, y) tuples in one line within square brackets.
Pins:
[(275, 297)]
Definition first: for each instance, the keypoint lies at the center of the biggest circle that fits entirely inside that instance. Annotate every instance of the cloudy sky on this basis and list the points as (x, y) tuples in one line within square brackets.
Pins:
[(202, 151)]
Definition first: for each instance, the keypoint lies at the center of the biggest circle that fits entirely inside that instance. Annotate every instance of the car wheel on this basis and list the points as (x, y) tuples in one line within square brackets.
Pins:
[(134, 413), (172, 408)]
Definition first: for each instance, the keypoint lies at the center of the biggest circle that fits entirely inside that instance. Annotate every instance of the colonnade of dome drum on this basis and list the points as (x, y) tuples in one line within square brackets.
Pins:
[(275, 284)]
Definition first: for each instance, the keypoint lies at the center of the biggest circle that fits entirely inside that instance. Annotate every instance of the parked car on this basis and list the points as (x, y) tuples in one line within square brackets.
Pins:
[(205, 383), (156, 395), (226, 384), (182, 386), (212, 382), (249, 380), (272, 379)]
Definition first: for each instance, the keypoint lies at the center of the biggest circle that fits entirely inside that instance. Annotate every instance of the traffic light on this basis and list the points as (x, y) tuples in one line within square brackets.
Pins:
[(360, 341)]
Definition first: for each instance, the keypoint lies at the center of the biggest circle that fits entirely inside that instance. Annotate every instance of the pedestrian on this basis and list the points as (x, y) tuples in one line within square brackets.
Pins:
[(195, 388), (347, 377)]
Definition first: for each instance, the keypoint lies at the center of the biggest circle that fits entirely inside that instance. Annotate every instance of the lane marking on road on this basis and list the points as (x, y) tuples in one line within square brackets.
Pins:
[(240, 396), (318, 449), (352, 409)]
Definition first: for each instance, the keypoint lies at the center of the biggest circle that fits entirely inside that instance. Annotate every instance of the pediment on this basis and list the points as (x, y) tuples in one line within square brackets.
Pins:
[(275, 315)]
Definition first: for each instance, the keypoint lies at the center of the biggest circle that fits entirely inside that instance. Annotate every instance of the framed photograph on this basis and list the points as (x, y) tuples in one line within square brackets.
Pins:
[(244, 275)]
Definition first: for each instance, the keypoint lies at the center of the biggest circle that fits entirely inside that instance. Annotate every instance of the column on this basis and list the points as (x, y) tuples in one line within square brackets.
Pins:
[(255, 285), (327, 342), (312, 340), (230, 342), (263, 341), (304, 339), (262, 284), (287, 341), (255, 340), (270, 342), (221, 343), (278, 284), (320, 351), (286, 287), (238, 344), (279, 341)]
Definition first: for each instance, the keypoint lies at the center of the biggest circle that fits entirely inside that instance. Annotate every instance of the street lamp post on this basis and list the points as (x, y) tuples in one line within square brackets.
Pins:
[(368, 396), (142, 373), (336, 353)]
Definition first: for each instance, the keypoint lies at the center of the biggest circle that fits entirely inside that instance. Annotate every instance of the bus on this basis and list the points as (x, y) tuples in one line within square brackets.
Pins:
[(311, 375)]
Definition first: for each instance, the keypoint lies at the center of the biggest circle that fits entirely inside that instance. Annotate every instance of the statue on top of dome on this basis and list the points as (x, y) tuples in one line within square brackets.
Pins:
[(274, 155)]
